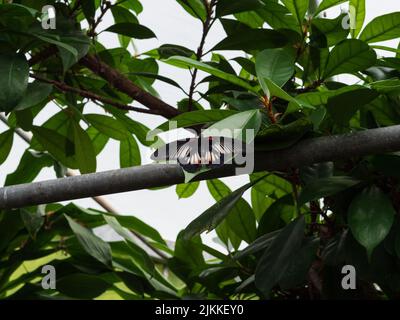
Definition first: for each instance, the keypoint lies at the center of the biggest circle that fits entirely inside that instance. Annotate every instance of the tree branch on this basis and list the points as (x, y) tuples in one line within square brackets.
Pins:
[(304, 153), (90, 95), (123, 84)]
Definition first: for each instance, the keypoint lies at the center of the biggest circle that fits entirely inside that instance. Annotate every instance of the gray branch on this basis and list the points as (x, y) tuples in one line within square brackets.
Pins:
[(305, 153)]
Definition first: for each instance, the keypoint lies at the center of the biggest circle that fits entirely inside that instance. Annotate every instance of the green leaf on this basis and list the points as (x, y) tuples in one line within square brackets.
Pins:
[(129, 153), (36, 93), (133, 223), (14, 72), (370, 217), (132, 30), (214, 215), (82, 286), (84, 150), (359, 7), (382, 28), (343, 106), (6, 142), (195, 8), (277, 16), (349, 56), (89, 9), (108, 126), (57, 145), (194, 118), (276, 259), (186, 190), (277, 214), (236, 126), (33, 221), (91, 243), (276, 65), (184, 62), (28, 168), (325, 187), (271, 184), (241, 220), (227, 7), (298, 8), (256, 39), (326, 4), (80, 43)]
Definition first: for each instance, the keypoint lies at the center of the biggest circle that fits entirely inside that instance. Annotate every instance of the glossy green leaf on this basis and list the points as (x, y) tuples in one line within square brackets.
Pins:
[(195, 8), (14, 80), (349, 56), (382, 28), (298, 8)]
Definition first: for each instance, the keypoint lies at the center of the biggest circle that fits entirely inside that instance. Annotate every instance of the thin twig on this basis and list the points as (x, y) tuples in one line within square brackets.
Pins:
[(207, 24), (90, 95)]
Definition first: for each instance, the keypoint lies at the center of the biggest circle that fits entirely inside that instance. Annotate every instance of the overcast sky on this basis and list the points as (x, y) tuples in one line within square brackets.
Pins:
[(161, 209)]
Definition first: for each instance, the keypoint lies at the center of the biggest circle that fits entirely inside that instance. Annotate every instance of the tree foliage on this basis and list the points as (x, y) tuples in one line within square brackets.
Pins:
[(289, 81)]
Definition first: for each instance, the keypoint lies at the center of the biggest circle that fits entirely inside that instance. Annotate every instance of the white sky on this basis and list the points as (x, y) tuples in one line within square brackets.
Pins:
[(161, 209)]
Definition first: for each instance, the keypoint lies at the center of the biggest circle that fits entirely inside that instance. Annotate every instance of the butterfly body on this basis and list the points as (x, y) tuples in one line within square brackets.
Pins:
[(194, 153)]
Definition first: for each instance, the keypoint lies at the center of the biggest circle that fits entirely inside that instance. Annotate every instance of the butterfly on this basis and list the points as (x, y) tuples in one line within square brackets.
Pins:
[(194, 153)]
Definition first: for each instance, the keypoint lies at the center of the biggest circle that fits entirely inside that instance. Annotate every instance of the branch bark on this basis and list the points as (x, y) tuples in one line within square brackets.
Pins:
[(123, 84), (304, 153)]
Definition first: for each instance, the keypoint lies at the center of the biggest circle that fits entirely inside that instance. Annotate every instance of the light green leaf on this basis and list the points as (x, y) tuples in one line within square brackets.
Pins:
[(326, 4), (186, 190), (382, 28), (357, 7), (298, 8)]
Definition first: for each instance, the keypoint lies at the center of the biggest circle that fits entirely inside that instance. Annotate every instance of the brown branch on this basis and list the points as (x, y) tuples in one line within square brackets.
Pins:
[(123, 84), (90, 95)]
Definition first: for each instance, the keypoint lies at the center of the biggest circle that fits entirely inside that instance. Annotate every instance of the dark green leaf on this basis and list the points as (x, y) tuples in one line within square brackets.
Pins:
[(277, 257), (6, 141), (227, 7), (14, 80), (129, 153), (370, 216), (132, 30), (92, 244)]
